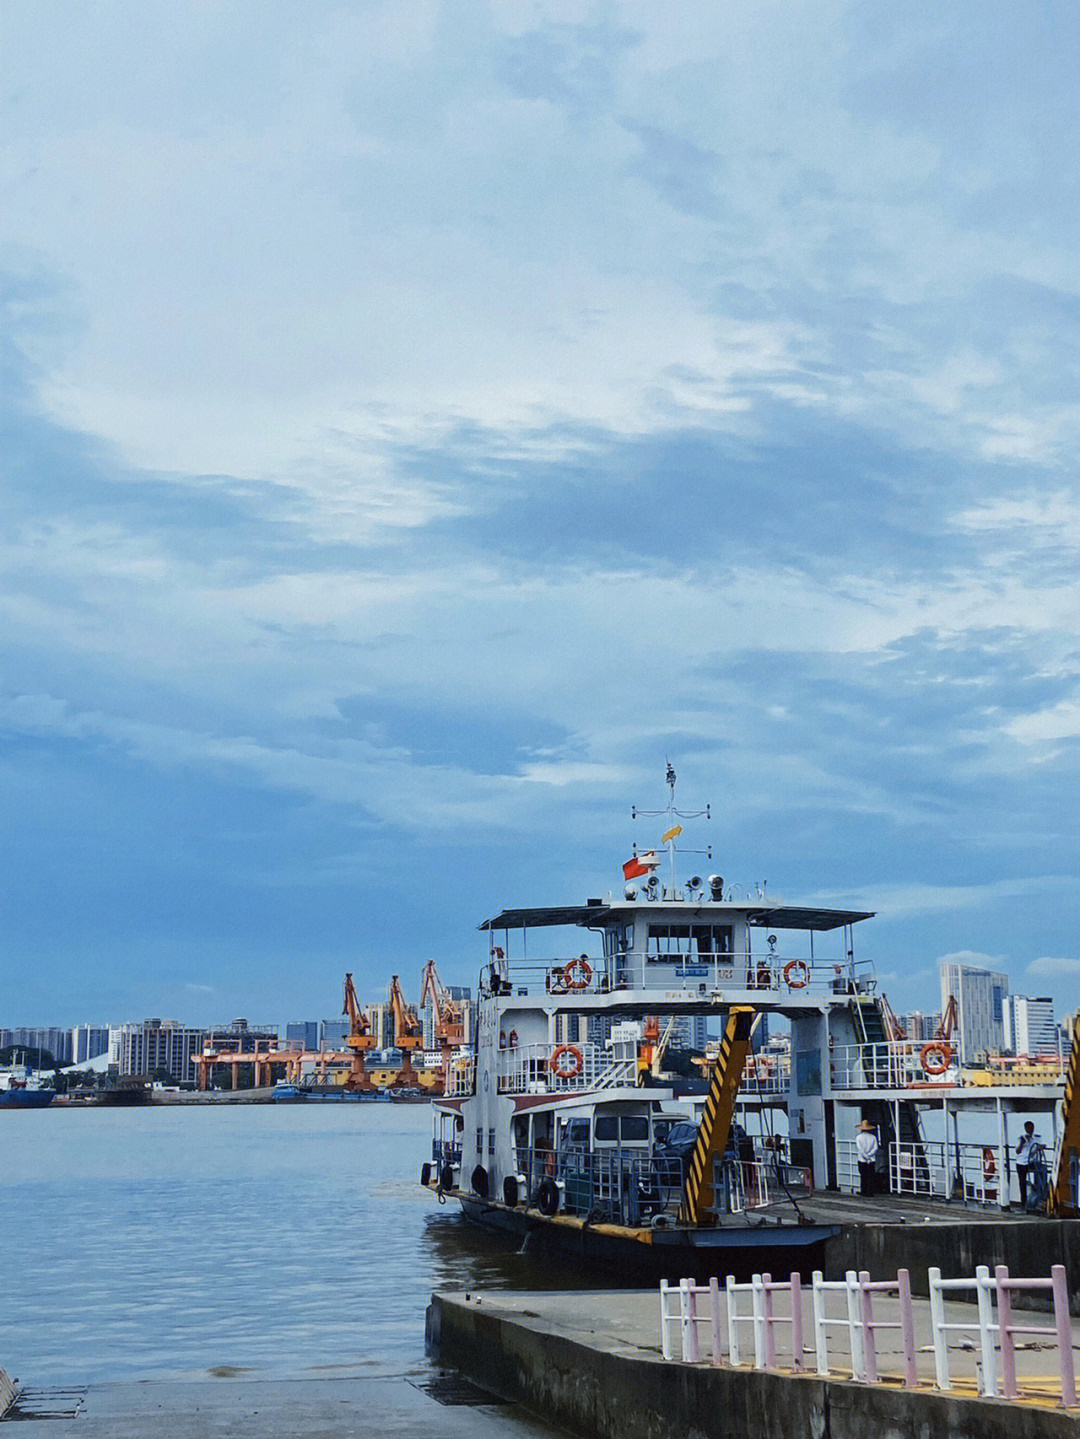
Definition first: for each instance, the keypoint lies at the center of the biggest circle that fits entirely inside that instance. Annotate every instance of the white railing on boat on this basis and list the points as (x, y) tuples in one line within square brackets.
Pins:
[(938, 1169), (778, 974), (543, 1068)]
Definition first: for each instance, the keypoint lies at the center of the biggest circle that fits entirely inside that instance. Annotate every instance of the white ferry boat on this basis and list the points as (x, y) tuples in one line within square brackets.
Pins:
[(557, 1127)]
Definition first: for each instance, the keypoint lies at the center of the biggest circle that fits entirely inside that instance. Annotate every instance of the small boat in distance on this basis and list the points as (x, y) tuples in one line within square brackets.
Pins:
[(22, 1088)]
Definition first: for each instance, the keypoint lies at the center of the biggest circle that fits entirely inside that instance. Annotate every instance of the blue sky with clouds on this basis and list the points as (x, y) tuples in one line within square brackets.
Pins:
[(419, 420)]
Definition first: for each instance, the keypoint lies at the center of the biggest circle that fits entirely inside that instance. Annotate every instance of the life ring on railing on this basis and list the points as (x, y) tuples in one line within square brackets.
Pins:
[(578, 974), (796, 974), (566, 1061), (935, 1057)]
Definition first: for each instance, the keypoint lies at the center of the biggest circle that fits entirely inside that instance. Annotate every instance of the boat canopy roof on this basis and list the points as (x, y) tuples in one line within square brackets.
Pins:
[(599, 914)]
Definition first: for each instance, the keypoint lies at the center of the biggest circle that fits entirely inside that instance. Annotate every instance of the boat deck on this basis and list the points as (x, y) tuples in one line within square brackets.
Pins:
[(830, 1207)]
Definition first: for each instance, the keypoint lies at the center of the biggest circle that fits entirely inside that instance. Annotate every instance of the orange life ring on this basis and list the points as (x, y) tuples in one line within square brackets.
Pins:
[(935, 1057), (578, 967), (790, 969), (566, 1052)]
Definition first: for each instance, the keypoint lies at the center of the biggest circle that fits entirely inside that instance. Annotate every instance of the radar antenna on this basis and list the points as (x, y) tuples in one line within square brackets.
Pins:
[(673, 828)]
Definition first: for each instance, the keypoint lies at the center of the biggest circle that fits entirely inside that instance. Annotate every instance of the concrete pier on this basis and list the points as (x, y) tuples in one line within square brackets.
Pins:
[(591, 1362)]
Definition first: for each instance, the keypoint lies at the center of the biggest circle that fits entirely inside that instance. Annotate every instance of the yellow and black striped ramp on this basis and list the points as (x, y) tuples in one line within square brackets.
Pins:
[(1062, 1194), (698, 1197)]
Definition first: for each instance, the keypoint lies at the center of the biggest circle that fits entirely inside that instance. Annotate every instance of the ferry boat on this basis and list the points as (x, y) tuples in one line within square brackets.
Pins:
[(558, 1129)]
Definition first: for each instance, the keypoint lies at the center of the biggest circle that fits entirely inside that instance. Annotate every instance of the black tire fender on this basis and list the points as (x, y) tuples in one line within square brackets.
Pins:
[(510, 1192), (479, 1181), (547, 1197), (446, 1177)]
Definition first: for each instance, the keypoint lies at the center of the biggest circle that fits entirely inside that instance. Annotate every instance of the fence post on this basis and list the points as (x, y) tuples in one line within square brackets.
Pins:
[(734, 1356), (797, 1352), (757, 1295), (907, 1328), (867, 1318), (1008, 1350), (692, 1328), (821, 1344), (937, 1329), (666, 1348), (851, 1285), (717, 1333), (986, 1331), (684, 1318), (1063, 1325), (770, 1332)]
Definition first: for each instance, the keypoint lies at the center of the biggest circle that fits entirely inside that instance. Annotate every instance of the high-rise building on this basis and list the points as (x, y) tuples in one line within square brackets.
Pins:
[(333, 1033), (56, 1042), (89, 1041), (920, 1027), (157, 1044), (1029, 1025), (980, 1007), (302, 1034)]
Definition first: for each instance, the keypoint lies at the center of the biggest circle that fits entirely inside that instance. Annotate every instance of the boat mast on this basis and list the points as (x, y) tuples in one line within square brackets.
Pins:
[(673, 828)]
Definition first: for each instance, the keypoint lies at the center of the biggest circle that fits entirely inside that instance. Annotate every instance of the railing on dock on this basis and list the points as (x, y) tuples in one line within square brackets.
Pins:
[(699, 1320)]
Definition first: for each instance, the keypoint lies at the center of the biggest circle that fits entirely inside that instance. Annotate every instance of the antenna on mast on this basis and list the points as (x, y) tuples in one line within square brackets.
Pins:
[(673, 814)]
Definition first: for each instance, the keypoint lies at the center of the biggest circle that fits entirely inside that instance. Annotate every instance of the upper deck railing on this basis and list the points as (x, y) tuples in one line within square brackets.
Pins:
[(772, 976)]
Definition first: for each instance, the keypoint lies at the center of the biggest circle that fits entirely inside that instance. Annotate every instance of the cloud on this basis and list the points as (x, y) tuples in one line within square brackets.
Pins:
[(1048, 967)]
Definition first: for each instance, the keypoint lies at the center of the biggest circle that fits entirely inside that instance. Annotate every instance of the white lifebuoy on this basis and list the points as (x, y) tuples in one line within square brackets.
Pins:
[(796, 974)]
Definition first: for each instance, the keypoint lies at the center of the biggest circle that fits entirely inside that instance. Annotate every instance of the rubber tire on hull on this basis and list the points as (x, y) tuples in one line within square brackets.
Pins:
[(510, 1192), (547, 1197), (479, 1181), (425, 1175), (446, 1177)]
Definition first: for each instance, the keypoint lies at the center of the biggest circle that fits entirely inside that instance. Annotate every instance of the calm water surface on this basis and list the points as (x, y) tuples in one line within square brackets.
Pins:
[(146, 1242)]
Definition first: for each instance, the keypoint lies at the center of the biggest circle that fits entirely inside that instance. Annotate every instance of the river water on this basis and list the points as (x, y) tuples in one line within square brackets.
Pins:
[(150, 1243)]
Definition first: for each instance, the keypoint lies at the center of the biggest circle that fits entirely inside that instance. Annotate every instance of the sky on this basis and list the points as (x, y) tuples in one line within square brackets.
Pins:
[(421, 421)]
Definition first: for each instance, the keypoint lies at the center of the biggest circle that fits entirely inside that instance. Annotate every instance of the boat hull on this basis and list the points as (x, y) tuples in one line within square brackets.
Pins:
[(672, 1253), (26, 1098)]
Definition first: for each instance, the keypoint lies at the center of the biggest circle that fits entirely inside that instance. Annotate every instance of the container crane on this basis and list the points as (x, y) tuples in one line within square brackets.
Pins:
[(446, 1012), (408, 1031), (360, 1038)]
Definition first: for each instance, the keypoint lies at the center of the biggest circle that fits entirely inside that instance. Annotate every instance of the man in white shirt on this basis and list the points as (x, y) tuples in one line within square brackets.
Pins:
[(866, 1151), (1029, 1153)]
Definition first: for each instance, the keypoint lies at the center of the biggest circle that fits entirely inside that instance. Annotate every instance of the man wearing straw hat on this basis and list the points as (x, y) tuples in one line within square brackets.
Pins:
[(866, 1150)]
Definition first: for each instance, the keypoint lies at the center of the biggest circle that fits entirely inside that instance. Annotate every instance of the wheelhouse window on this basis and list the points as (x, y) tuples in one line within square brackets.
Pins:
[(688, 943)]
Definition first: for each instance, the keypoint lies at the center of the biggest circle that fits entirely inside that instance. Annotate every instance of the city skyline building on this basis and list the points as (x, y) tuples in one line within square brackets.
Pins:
[(1030, 1027), (980, 1007)]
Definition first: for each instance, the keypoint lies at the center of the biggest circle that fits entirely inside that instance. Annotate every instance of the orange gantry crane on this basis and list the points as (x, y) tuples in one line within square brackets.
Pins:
[(449, 1024), (408, 1031), (360, 1038)]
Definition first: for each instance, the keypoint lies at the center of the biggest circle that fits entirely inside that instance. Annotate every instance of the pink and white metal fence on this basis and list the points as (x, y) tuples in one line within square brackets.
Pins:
[(694, 1324)]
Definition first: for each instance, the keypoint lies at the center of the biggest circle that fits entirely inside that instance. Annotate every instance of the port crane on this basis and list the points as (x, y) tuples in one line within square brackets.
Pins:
[(446, 1012), (408, 1031), (360, 1039)]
